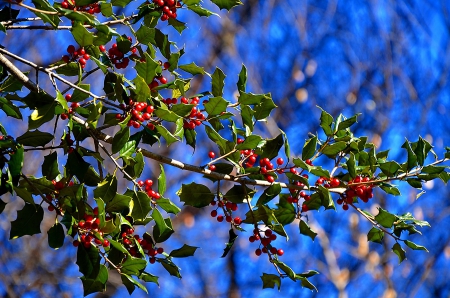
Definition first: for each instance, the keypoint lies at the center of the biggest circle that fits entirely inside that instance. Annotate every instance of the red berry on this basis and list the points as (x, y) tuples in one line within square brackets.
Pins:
[(51, 208), (212, 168), (166, 65), (64, 116), (211, 154), (280, 252), (237, 220), (280, 161), (308, 162), (345, 207), (105, 243), (270, 178), (220, 218), (70, 49), (258, 252), (214, 213), (160, 250), (76, 243)]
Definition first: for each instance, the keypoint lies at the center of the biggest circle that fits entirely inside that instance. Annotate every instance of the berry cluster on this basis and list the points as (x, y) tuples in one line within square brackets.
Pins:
[(140, 112), (91, 8), (75, 55), (265, 167), (358, 187), (73, 107), (169, 8), (265, 237), (118, 58), (88, 231), (147, 186), (52, 198), (228, 209), (154, 83), (196, 117), (131, 242)]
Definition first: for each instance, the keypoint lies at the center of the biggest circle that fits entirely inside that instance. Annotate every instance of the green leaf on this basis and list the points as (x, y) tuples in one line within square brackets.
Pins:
[(120, 139), (216, 105), (130, 283), (412, 158), (252, 99), (160, 223), (218, 82), (44, 5), (88, 261), (56, 236), (285, 213), (272, 147), (35, 138), (183, 252), (251, 142), (169, 137), (196, 195), (242, 81), (390, 189), (82, 36), (326, 122), (118, 204), (262, 111), (147, 277), (2, 206), (166, 114), (133, 266), (226, 4), (232, 238), (289, 272), (78, 95), (216, 138), (148, 69), (270, 281), (24, 194), (238, 194), (348, 122), (333, 149), (15, 164), (306, 230), (106, 9), (41, 115), (415, 246), (106, 189), (385, 218), (97, 283), (9, 108), (269, 193), (28, 221), (192, 68), (70, 69), (398, 250), (162, 181), (309, 149), (170, 267), (165, 234), (121, 3), (389, 168), (179, 26), (142, 89), (141, 205), (168, 206), (200, 10), (351, 165), (375, 235)]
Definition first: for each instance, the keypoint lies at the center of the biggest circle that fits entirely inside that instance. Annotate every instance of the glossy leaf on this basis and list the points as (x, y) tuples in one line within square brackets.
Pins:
[(56, 236), (35, 138), (196, 195), (271, 281), (183, 252), (28, 221)]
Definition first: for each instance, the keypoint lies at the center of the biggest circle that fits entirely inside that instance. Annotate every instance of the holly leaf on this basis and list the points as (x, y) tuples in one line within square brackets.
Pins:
[(35, 138), (398, 250), (306, 230), (28, 221), (271, 281), (232, 238), (183, 252), (56, 236)]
